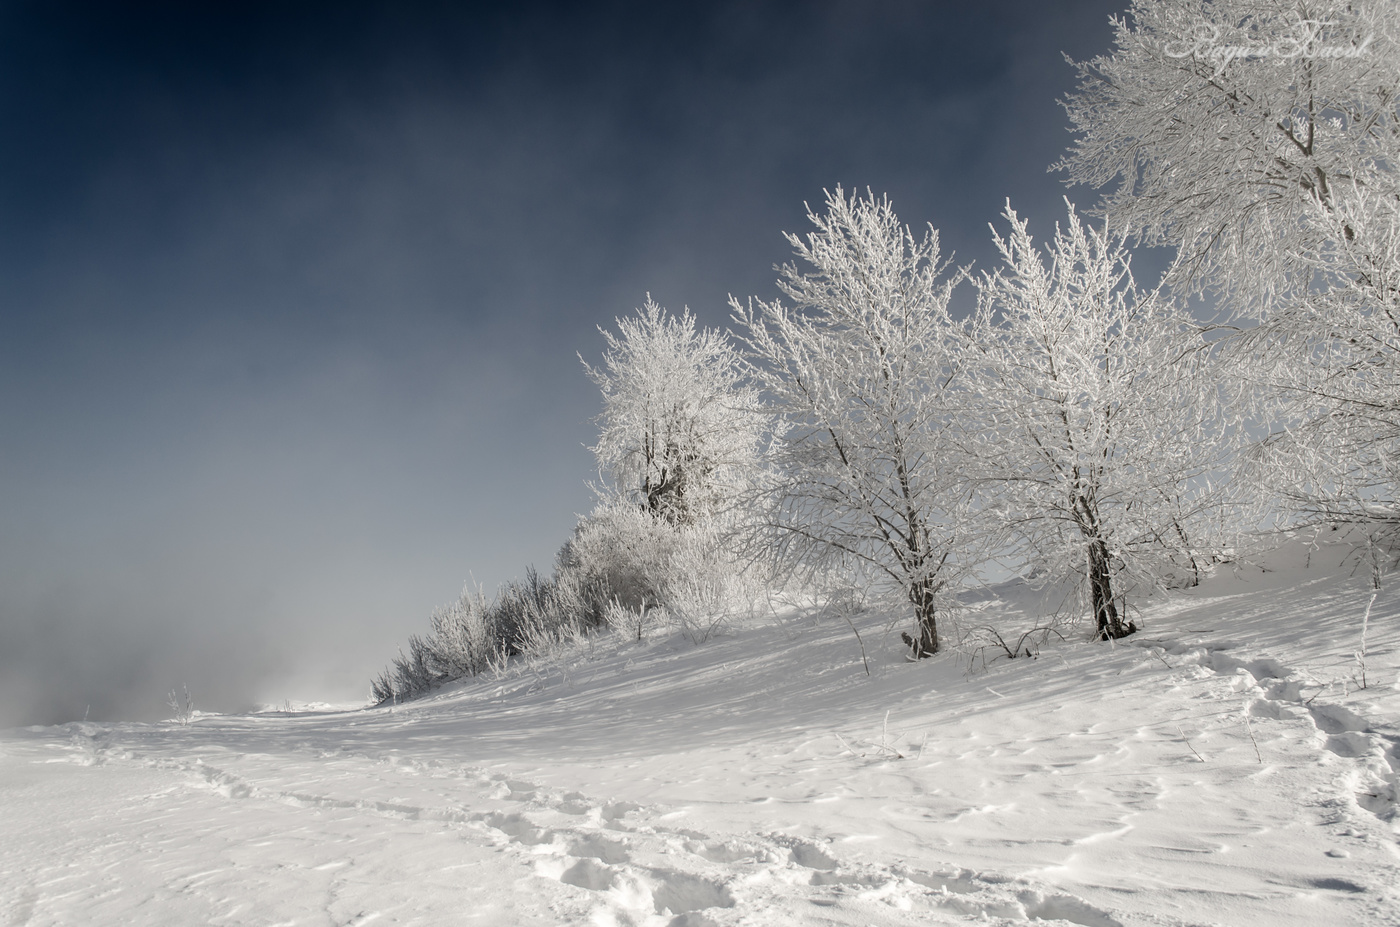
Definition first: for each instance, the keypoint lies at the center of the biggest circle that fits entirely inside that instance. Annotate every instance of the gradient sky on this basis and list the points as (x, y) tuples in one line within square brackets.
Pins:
[(291, 294)]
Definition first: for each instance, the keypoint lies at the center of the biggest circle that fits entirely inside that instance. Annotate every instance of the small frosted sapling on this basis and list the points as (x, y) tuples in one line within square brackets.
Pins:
[(182, 703)]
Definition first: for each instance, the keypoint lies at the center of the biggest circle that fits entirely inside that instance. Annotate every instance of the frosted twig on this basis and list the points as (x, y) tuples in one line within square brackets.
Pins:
[(1365, 625), (858, 640), (1188, 743), (1249, 727), (884, 746)]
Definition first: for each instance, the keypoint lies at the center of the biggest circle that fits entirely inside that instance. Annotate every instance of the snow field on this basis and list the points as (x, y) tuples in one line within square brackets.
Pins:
[(1221, 767)]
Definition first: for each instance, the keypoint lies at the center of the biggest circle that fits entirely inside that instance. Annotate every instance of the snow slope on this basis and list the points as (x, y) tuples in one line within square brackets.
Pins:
[(1221, 767)]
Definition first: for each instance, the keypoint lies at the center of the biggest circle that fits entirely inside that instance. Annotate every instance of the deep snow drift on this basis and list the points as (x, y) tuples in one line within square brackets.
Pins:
[(1221, 767)]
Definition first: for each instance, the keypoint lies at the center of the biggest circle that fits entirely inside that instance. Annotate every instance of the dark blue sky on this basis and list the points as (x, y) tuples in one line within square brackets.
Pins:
[(291, 293)]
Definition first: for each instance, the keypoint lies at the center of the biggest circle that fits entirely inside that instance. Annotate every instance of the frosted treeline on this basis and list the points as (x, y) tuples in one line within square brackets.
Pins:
[(1077, 426)]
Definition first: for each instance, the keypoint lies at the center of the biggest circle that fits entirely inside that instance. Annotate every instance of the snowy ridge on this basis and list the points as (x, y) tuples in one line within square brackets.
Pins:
[(1221, 767)]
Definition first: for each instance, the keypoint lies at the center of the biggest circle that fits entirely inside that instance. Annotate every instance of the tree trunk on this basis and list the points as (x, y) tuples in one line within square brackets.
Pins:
[(922, 598), (1107, 623)]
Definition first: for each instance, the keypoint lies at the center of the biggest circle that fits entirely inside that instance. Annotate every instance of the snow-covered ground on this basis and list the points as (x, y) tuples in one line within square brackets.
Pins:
[(1221, 767)]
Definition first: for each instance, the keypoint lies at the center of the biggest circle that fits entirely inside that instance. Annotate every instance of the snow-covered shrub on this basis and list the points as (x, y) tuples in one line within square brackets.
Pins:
[(538, 614), (620, 553), (625, 570), (630, 623), (707, 586), (464, 634), (468, 635), (181, 703), (410, 674), (625, 560)]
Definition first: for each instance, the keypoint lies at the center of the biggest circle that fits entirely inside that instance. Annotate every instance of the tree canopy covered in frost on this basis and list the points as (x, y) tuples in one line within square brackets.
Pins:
[(1330, 357), (679, 432), (1225, 124), (865, 368), (1102, 433)]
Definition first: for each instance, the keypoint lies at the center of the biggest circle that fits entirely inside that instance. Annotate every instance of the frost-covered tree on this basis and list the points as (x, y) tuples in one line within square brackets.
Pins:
[(682, 439), (1262, 138), (680, 433), (1102, 437), (864, 368)]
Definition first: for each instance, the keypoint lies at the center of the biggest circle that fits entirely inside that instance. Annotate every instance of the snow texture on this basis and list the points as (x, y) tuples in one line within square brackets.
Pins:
[(1219, 767)]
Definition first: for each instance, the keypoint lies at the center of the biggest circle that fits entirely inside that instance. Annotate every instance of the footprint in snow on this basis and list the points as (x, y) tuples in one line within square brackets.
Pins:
[(508, 789), (690, 877), (1347, 734), (518, 828), (590, 874), (682, 893), (653, 890), (724, 851), (601, 848), (806, 854), (574, 803)]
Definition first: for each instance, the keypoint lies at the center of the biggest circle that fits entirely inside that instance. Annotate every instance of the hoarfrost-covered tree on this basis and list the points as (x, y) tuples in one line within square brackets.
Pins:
[(1102, 438), (1262, 139), (865, 369), (682, 439), (680, 433)]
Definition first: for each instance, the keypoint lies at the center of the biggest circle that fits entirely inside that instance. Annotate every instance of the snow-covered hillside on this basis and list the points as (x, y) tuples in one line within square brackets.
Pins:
[(1220, 767)]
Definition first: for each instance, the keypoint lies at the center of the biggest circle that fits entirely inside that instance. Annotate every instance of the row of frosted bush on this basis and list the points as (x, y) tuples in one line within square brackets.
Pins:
[(623, 569)]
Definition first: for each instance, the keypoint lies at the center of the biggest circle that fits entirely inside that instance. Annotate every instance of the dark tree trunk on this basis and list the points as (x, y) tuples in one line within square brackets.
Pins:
[(922, 597), (1107, 623), (1186, 549)]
